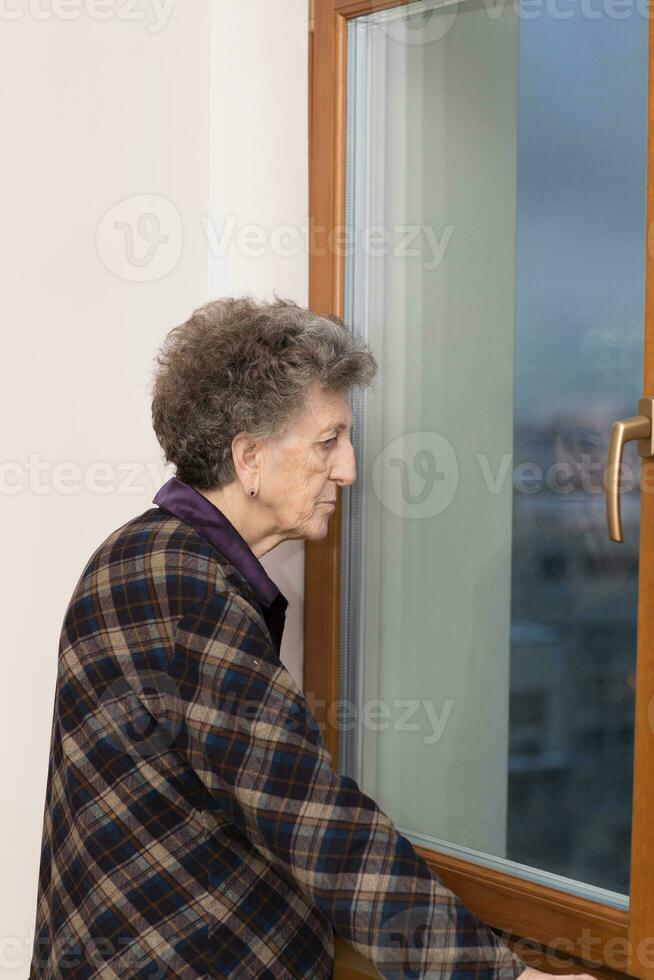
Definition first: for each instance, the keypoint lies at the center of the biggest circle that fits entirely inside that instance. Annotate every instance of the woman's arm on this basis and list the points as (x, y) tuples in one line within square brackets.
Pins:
[(249, 735)]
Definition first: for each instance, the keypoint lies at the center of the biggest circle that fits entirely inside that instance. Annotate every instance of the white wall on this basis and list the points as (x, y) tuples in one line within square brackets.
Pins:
[(256, 227), (164, 107)]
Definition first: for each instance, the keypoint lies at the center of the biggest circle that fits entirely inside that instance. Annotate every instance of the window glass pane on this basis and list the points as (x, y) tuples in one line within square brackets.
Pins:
[(496, 211)]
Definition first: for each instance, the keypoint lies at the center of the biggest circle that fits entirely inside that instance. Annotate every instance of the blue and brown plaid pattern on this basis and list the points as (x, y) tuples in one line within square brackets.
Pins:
[(193, 824)]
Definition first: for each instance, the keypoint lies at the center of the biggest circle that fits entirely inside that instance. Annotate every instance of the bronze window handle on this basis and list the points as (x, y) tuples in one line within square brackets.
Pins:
[(638, 427)]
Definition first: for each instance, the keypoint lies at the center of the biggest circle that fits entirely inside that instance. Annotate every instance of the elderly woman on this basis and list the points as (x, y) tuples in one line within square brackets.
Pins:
[(194, 826)]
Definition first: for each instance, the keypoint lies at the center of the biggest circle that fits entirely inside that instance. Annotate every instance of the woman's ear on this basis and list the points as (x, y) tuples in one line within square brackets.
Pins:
[(245, 454)]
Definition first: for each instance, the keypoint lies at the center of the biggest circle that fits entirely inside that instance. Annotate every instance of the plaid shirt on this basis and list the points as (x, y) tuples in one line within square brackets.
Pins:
[(193, 823)]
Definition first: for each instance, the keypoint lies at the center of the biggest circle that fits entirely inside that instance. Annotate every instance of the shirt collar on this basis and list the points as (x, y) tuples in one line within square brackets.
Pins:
[(192, 507)]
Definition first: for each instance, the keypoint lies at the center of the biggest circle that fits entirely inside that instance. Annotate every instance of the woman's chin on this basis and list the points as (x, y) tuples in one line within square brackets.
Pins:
[(320, 526)]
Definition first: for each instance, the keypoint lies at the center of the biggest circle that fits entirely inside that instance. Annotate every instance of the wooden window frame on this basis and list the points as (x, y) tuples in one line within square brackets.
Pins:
[(613, 942)]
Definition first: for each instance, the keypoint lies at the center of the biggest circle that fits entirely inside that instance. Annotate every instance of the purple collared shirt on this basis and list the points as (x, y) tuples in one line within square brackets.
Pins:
[(192, 507)]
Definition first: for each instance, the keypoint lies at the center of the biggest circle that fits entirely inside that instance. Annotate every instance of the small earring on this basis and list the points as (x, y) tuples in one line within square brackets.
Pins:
[(251, 491)]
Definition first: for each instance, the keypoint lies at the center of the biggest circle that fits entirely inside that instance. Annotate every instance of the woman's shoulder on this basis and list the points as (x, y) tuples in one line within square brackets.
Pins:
[(158, 556)]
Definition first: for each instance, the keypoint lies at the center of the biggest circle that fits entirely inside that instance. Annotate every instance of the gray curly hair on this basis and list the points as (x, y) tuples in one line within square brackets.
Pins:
[(239, 365)]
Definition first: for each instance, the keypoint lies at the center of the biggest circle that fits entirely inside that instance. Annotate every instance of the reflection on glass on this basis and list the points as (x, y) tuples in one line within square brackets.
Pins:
[(512, 149)]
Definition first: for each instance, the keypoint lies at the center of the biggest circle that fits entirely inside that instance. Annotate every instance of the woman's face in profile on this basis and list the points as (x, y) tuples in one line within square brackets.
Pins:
[(305, 467)]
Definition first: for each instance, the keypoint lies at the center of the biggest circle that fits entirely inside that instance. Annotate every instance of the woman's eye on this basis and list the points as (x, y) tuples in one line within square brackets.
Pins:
[(328, 442)]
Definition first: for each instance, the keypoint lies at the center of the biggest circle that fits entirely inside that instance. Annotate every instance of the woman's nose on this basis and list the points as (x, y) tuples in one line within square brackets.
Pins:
[(344, 471)]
